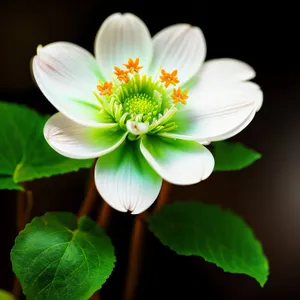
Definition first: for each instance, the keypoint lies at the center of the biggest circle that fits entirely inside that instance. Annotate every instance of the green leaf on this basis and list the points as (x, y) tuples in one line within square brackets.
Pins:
[(6, 182), (24, 153), (54, 258), (230, 156), (4, 295), (219, 236)]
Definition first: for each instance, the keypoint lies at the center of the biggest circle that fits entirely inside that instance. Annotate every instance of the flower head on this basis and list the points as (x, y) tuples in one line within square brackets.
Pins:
[(143, 126)]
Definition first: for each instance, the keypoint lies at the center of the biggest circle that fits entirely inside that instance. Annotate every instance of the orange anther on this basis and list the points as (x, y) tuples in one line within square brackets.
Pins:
[(169, 78), (133, 66), (179, 96), (121, 74), (105, 88)]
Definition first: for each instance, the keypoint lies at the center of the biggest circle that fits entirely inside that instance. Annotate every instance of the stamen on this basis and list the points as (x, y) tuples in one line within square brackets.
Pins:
[(169, 78), (133, 66), (105, 88), (179, 96), (121, 74)]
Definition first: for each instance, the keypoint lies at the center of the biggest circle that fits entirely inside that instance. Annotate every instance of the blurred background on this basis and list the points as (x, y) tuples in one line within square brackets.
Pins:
[(266, 194)]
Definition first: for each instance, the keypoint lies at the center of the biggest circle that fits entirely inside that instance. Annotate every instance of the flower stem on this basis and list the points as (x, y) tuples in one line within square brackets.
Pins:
[(20, 210), (104, 215), (136, 246), (90, 197), (163, 197), (23, 209)]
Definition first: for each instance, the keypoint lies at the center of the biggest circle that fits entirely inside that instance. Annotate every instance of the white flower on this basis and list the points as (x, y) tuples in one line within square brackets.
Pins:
[(132, 117)]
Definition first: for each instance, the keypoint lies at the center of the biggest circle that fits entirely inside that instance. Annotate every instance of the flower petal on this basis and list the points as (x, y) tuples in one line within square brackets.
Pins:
[(77, 141), (221, 104), (120, 37), (126, 181), (219, 75), (178, 162), (180, 47), (225, 70), (67, 75)]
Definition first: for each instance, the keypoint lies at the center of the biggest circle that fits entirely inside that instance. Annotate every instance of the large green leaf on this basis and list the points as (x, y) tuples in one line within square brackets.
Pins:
[(220, 237), (24, 153), (7, 182), (4, 295), (230, 156), (54, 258)]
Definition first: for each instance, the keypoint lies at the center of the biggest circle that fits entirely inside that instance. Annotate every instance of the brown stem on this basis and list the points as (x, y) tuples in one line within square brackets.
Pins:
[(24, 205), (163, 197), (104, 215), (86, 207), (136, 246), (20, 210), (29, 204), (135, 257), (90, 197)]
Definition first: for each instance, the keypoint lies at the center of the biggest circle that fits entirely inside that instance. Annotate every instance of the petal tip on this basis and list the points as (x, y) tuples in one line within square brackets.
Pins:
[(259, 101), (139, 209)]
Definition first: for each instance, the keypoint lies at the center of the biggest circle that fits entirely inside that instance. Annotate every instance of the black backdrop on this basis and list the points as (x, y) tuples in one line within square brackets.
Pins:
[(266, 194)]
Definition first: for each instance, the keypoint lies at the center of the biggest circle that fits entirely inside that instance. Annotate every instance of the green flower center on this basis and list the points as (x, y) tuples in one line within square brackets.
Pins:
[(139, 103)]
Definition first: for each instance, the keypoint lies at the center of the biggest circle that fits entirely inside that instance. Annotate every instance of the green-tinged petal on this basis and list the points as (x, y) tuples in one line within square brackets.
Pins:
[(68, 75), (217, 126), (120, 37), (125, 180), (77, 141), (179, 162), (221, 103), (181, 47)]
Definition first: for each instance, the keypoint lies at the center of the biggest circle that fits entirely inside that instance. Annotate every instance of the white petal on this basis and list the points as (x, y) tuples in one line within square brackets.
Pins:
[(67, 75), (180, 47), (225, 71), (221, 104), (125, 180), (178, 162), (120, 37), (77, 141)]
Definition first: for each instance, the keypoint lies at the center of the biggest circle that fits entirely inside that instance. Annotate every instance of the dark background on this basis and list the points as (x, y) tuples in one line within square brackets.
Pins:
[(266, 194)]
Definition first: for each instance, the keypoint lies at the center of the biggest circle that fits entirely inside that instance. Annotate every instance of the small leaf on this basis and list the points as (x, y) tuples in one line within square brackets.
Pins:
[(24, 152), (220, 237), (230, 156), (4, 295), (54, 258)]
